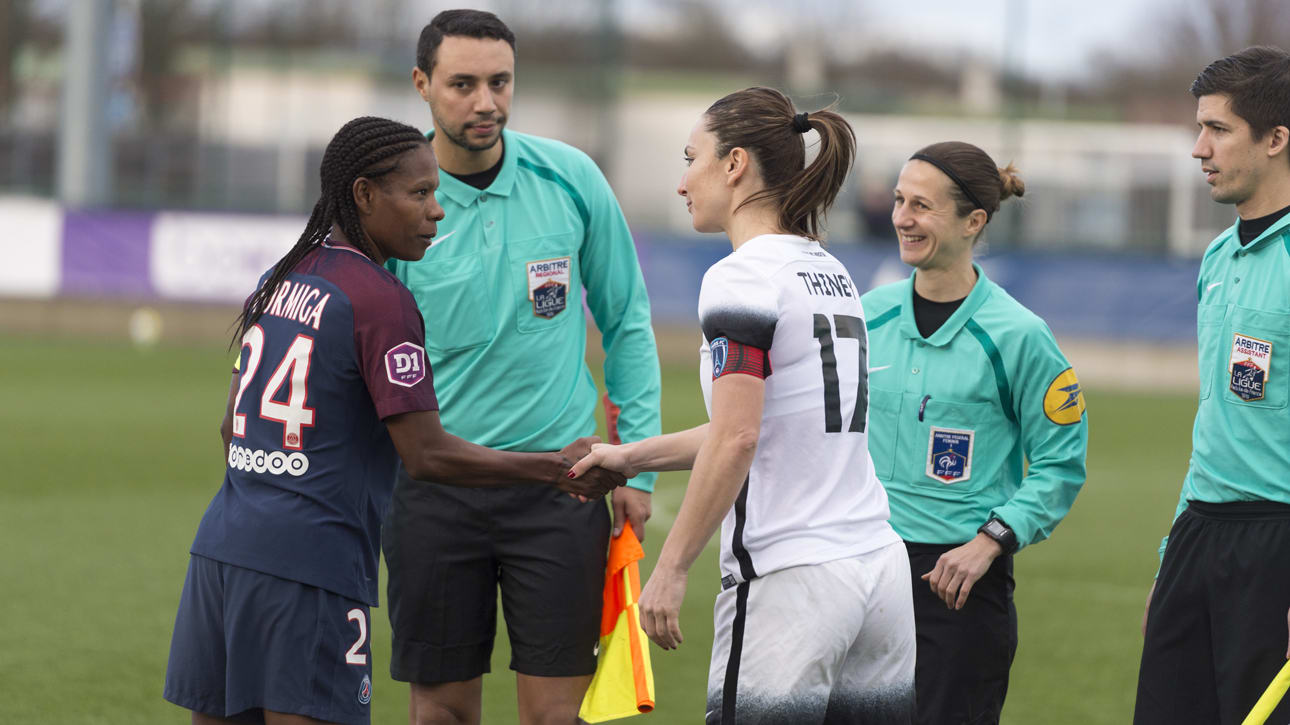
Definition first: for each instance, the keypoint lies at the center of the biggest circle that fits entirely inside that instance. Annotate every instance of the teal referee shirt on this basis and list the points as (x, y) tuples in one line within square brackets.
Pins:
[(502, 289), (1241, 438), (954, 418)]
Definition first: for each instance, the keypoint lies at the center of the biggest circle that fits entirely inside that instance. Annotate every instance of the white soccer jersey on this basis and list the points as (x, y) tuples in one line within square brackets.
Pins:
[(811, 495)]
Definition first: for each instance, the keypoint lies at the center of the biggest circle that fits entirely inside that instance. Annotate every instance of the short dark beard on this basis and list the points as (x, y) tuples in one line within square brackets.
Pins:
[(459, 138)]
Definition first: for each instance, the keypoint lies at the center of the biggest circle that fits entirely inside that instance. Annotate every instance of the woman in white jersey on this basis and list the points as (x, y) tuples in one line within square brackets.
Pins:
[(814, 622)]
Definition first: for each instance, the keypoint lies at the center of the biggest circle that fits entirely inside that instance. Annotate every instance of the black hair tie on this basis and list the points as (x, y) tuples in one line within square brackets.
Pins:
[(945, 168), (801, 123)]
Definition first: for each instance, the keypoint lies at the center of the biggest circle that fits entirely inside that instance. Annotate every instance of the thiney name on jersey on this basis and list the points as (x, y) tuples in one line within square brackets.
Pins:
[(299, 302), (825, 284)]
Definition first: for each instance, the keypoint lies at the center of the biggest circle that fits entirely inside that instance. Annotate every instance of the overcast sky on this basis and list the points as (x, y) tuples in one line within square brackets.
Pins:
[(1055, 38)]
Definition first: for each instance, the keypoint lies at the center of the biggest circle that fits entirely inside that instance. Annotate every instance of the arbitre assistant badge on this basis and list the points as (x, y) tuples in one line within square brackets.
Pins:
[(549, 285), (1248, 366)]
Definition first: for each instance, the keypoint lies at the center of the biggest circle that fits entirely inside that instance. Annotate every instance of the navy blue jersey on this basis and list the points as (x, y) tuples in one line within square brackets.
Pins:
[(311, 469)]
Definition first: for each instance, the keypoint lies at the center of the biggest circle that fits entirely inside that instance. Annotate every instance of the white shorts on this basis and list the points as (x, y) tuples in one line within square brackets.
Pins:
[(824, 643)]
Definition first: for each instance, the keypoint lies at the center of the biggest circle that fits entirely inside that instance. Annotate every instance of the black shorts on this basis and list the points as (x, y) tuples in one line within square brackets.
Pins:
[(1216, 630), (448, 549), (964, 656)]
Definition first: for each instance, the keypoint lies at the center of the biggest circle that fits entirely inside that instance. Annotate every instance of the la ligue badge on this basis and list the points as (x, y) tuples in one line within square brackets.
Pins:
[(549, 285), (1248, 367)]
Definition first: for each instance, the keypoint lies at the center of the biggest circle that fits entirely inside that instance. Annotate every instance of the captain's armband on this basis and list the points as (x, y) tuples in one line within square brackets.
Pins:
[(730, 357)]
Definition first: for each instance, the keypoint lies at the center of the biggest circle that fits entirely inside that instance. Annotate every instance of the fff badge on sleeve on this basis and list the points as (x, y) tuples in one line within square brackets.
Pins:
[(1248, 365), (949, 455), (549, 285)]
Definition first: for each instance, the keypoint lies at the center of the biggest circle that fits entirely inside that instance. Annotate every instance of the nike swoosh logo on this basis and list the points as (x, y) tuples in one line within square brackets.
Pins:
[(881, 367), (1212, 285), (438, 240)]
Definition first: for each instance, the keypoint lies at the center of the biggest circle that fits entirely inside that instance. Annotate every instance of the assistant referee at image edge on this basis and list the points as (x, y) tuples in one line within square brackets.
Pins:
[(1215, 626)]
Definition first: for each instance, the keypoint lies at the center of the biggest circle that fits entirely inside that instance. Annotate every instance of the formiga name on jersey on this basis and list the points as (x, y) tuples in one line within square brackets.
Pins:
[(275, 462), (298, 302), (827, 285)]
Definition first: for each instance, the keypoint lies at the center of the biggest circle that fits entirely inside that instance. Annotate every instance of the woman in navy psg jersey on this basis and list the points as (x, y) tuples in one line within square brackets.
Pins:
[(333, 385)]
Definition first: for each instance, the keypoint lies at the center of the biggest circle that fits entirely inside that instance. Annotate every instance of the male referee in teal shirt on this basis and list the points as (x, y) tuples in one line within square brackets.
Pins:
[(1216, 622), (531, 226)]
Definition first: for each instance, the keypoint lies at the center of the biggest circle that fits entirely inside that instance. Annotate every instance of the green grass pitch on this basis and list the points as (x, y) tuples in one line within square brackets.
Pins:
[(110, 455)]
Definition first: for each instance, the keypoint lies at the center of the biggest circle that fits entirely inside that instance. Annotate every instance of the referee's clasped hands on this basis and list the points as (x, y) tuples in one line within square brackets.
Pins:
[(590, 481)]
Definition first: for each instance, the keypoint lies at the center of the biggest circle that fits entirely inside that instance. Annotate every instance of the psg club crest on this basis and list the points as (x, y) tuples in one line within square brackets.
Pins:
[(1249, 363), (719, 347), (365, 690), (405, 364), (949, 455), (549, 285)]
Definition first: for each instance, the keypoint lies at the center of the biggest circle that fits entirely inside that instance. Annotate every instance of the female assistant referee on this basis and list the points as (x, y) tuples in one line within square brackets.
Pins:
[(967, 387), (273, 618)]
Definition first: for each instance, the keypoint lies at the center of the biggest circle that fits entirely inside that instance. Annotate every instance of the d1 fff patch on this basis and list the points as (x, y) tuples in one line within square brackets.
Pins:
[(549, 285), (1064, 399), (1249, 365), (405, 364), (949, 455), (720, 351)]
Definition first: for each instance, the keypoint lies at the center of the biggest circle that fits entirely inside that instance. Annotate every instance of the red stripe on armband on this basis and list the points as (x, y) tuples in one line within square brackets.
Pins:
[(730, 357)]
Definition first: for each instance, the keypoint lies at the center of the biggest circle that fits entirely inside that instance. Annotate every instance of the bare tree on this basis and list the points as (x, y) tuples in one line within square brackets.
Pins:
[(165, 28), (1174, 46), (15, 18), (1215, 28), (705, 42)]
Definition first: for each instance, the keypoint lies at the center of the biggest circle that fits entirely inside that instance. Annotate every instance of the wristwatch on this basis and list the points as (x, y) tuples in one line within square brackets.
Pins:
[(1000, 532)]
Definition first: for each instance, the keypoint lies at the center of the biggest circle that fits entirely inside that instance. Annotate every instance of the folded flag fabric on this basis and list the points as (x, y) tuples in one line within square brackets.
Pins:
[(624, 681), (612, 412)]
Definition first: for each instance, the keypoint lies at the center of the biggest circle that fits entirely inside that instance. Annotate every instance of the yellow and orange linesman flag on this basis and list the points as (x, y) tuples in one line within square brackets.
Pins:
[(624, 681)]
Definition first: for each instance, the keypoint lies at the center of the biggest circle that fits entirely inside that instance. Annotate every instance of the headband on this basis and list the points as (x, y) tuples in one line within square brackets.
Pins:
[(801, 123), (944, 167)]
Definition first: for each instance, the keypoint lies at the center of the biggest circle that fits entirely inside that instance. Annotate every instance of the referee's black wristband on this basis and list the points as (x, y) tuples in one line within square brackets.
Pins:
[(1001, 533)]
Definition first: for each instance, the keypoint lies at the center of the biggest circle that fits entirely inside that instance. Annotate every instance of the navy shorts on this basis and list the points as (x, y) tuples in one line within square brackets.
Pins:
[(449, 550), (246, 642)]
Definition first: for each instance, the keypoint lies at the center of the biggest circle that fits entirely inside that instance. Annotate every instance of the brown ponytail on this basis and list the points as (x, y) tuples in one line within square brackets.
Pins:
[(762, 122)]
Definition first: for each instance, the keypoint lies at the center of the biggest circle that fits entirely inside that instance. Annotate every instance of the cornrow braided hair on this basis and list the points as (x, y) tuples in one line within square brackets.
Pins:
[(367, 147)]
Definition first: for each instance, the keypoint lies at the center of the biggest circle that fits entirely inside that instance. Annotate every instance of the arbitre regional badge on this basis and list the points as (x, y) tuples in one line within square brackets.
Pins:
[(949, 455), (549, 285), (1248, 365)]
